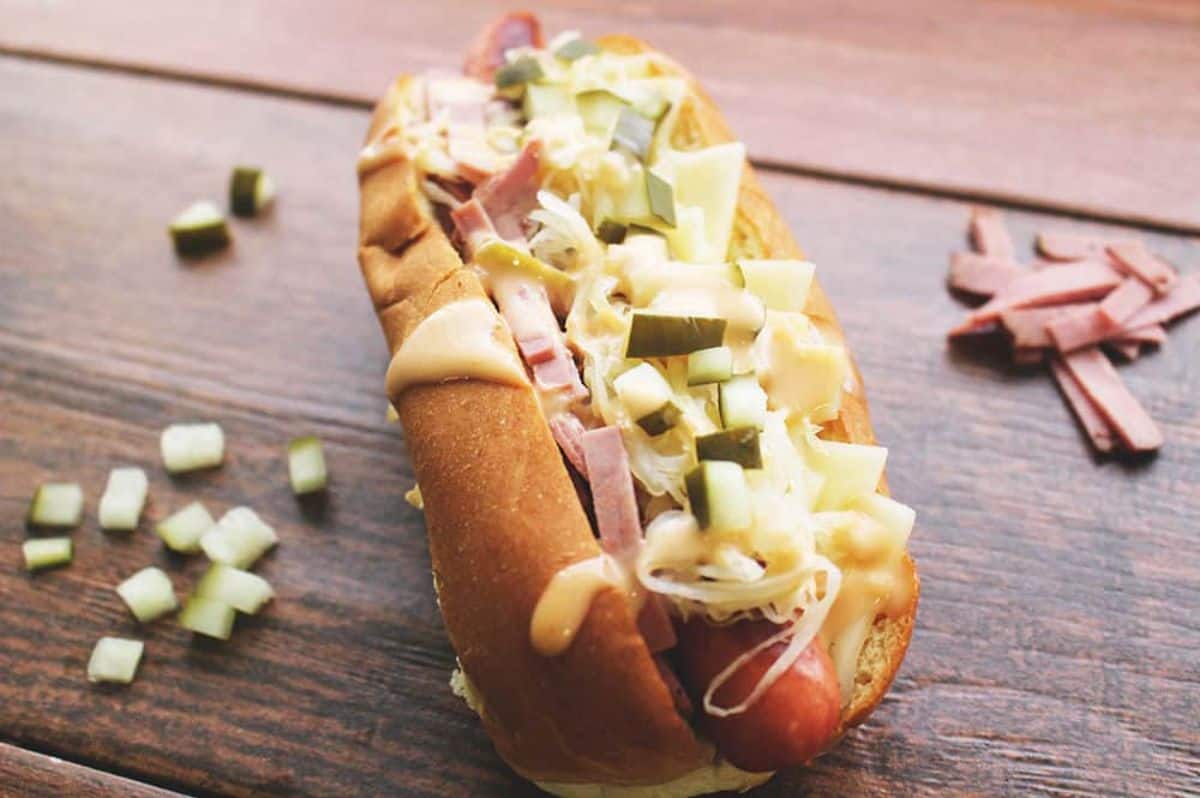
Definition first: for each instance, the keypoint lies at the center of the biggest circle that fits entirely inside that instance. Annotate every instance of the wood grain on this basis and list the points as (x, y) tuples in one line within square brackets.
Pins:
[(30, 775), (1087, 107), (1056, 646)]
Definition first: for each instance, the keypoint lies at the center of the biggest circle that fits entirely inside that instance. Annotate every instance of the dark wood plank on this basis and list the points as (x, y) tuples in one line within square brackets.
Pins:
[(32, 775), (1056, 647), (1078, 106)]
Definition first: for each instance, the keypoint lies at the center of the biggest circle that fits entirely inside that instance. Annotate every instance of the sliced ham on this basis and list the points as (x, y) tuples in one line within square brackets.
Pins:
[(536, 349), (1150, 334), (512, 30), (1028, 325), (1130, 296), (1093, 327), (1069, 246), (526, 307), (473, 224), (1133, 257), (568, 433), (1184, 298), (983, 275), (559, 373), (655, 625), (613, 498), (1073, 283), (1089, 417), (511, 195), (990, 235), (1119, 408), (1080, 328)]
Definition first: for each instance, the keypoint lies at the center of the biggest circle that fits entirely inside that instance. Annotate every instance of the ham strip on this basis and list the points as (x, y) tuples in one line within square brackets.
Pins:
[(655, 625), (568, 433), (613, 499), (1081, 328), (510, 196), (536, 349), (983, 275), (1069, 246), (1093, 328), (1130, 297), (1151, 334), (1073, 283), (989, 235), (473, 224), (526, 308), (486, 53), (1119, 408), (1134, 258), (1184, 298), (1028, 325), (1086, 414)]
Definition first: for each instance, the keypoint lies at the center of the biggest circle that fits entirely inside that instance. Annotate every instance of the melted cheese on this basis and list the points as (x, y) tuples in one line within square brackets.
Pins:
[(458, 341), (564, 605)]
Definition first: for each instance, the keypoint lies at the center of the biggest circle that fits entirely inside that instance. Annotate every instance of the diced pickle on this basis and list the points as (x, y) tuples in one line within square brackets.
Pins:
[(660, 420), (600, 110), (710, 365), (634, 132), (199, 229), (250, 190), (576, 49), (743, 402), (497, 257), (525, 69), (738, 445), (653, 335), (718, 495), (662, 198), (611, 232)]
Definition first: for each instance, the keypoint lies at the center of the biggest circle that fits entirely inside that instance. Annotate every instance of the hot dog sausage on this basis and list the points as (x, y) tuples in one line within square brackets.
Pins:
[(790, 724)]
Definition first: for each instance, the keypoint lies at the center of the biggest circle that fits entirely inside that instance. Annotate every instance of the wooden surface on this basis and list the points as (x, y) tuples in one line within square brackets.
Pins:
[(1056, 648), (32, 775), (1084, 106)]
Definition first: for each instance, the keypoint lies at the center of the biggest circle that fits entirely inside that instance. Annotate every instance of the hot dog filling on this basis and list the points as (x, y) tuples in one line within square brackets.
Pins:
[(607, 244)]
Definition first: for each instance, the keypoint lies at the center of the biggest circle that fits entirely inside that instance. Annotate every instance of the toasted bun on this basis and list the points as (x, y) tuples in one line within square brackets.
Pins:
[(503, 516)]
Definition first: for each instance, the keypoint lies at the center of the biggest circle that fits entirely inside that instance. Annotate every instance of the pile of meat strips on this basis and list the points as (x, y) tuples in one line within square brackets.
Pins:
[(1084, 299)]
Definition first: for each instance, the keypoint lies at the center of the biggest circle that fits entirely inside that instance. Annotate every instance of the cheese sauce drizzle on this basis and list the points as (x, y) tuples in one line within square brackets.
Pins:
[(458, 341)]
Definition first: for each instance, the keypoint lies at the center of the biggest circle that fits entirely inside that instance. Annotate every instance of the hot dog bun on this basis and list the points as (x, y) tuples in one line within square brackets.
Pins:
[(503, 516)]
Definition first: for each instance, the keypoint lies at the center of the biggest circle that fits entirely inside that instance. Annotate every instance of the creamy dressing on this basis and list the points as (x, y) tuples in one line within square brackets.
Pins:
[(458, 341), (565, 602)]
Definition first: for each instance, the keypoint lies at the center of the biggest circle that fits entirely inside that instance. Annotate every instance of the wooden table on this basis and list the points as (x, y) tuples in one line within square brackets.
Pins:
[(1057, 649)]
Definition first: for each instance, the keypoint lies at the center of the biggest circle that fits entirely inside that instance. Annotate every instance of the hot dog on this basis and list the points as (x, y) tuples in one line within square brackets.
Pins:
[(792, 722), (658, 521)]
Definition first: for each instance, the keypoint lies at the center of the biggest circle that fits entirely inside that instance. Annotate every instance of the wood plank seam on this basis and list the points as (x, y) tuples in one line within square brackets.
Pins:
[(151, 788)]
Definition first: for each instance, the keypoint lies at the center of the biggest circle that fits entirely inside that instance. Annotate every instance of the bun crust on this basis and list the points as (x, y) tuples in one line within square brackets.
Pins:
[(503, 516)]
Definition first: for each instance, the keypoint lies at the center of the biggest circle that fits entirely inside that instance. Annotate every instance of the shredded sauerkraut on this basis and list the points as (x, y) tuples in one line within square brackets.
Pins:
[(787, 565)]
